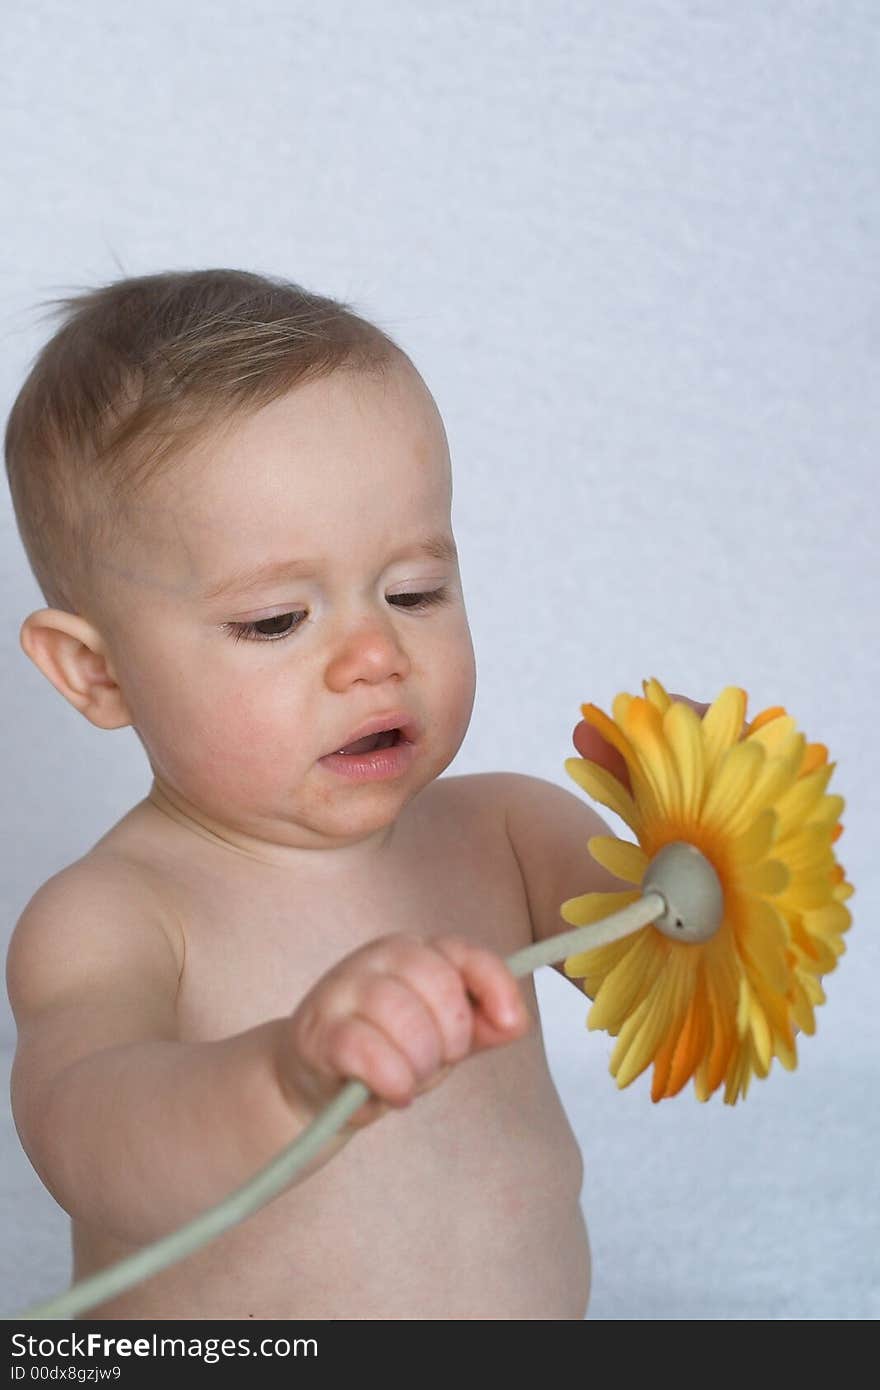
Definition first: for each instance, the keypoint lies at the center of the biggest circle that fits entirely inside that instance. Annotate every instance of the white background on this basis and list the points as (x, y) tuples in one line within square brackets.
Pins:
[(633, 249)]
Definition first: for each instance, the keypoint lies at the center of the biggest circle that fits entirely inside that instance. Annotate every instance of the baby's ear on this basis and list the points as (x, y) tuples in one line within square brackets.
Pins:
[(72, 654)]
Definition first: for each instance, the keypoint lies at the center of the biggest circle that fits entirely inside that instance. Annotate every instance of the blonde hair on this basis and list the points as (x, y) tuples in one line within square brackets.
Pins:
[(139, 371)]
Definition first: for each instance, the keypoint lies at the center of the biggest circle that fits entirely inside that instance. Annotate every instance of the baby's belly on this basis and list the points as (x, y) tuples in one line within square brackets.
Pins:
[(463, 1205)]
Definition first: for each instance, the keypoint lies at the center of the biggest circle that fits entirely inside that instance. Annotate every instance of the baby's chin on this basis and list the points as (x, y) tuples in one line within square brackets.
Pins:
[(327, 805)]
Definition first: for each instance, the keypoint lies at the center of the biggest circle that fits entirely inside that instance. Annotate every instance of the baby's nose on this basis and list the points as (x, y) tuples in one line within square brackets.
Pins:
[(368, 650)]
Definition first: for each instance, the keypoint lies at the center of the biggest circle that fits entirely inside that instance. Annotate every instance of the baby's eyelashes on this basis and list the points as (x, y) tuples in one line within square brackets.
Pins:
[(252, 631), (255, 631)]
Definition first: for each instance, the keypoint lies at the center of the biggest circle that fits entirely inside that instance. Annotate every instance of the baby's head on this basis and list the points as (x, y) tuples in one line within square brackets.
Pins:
[(181, 432)]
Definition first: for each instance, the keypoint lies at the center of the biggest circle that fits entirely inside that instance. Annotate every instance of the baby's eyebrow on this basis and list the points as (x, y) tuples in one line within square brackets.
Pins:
[(439, 547)]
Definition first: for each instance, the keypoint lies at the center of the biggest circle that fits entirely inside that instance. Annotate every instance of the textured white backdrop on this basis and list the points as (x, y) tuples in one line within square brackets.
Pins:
[(633, 248)]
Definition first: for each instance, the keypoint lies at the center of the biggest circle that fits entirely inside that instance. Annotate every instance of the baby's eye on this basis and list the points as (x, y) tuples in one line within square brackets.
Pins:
[(268, 629), (254, 632), (419, 600)]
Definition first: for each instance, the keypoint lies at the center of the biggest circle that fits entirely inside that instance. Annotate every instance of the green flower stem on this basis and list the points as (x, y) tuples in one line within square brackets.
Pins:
[(278, 1174), (571, 943)]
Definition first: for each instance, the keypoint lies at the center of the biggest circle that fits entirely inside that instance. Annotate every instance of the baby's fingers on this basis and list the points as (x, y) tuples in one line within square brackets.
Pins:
[(360, 1051), (500, 1013)]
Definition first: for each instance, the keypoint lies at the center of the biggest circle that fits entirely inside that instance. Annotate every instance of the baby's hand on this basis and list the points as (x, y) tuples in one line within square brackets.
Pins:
[(590, 743), (397, 1014)]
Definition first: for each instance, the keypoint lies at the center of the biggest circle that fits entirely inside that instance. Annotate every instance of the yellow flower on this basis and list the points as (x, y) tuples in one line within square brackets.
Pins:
[(754, 803)]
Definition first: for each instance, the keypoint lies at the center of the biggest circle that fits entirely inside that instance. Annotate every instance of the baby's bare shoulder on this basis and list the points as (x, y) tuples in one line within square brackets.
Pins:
[(477, 799), (114, 867), (493, 796), (103, 902), (472, 788), (89, 967)]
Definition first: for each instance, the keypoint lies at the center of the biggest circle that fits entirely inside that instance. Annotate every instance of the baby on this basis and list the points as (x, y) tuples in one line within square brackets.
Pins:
[(203, 464)]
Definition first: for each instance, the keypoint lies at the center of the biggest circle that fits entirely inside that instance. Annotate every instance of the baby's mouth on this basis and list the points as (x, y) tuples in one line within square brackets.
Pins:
[(387, 739)]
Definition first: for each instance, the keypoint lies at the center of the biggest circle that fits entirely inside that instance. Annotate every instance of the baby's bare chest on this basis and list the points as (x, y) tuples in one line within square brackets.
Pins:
[(256, 944), (464, 1204)]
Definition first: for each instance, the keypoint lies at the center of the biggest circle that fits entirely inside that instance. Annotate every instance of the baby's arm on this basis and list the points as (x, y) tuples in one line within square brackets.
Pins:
[(132, 1130), (548, 828), (135, 1132)]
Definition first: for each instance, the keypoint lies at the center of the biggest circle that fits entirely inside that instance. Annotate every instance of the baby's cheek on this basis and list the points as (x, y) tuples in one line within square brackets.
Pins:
[(460, 683), (215, 749), (246, 746)]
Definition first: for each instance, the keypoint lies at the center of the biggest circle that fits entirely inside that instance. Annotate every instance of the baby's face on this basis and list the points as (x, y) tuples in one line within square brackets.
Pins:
[(238, 694)]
